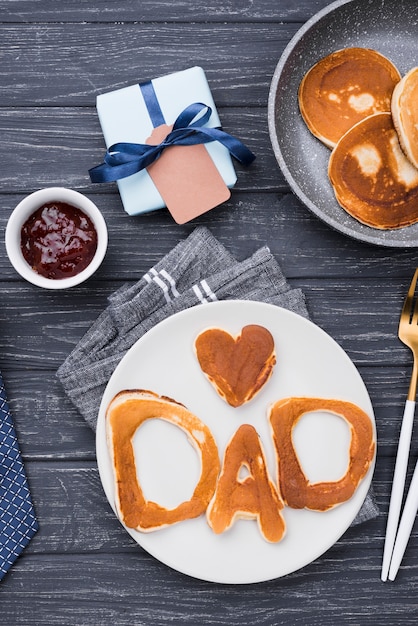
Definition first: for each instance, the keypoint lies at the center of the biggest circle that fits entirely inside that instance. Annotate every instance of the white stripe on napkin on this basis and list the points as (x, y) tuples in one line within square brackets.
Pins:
[(206, 289), (171, 281), (156, 277)]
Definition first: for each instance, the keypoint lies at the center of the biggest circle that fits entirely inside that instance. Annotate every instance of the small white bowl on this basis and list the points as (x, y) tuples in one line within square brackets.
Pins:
[(26, 208)]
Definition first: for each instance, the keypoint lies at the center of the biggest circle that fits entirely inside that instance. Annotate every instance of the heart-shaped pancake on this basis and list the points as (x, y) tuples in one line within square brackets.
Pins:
[(238, 367)]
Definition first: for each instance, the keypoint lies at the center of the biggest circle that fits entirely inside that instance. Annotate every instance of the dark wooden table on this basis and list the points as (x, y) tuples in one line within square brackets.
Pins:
[(82, 568)]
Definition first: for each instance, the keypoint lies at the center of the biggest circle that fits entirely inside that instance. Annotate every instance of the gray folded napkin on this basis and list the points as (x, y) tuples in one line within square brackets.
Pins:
[(198, 270)]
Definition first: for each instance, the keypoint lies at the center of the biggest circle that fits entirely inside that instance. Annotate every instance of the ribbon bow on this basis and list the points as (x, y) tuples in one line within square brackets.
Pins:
[(124, 159)]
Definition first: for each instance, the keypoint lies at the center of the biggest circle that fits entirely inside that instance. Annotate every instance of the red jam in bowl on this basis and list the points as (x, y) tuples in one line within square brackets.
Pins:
[(58, 240)]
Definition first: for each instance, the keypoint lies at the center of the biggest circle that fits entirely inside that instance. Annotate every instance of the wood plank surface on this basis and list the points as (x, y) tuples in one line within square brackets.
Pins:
[(304, 246), (62, 64), (159, 11), (82, 568)]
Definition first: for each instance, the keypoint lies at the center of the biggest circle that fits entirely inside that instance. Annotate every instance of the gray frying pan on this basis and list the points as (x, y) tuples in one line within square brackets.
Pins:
[(388, 26)]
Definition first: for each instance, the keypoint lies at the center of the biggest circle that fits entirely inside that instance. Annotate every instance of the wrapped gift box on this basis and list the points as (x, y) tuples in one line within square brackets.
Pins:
[(124, 117)]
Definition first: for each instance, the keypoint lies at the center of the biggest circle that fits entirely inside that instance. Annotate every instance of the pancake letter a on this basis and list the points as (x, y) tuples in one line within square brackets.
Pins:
[(253, 496)]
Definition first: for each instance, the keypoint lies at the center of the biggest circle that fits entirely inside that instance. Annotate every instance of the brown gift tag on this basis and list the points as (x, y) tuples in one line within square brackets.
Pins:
[(186, 177)]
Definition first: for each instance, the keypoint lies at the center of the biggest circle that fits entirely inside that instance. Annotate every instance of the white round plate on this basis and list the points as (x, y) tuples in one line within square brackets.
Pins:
[(309, 363)]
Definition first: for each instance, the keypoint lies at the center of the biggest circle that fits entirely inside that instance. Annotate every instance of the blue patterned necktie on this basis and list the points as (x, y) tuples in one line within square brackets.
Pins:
[(17, 519)]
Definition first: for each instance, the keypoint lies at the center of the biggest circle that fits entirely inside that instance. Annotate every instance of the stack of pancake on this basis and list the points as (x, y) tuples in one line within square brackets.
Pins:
[(356, 102)]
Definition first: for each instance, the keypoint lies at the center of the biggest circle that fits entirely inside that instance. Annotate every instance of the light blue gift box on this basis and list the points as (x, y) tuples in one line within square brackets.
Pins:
[(124, 117)]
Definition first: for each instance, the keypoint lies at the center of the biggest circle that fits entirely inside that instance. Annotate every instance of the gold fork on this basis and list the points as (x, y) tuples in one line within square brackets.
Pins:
[(408, 334)]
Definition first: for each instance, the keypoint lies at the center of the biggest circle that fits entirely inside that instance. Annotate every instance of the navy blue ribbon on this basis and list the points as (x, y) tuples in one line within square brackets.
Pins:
[(152, 104), (124, 159)]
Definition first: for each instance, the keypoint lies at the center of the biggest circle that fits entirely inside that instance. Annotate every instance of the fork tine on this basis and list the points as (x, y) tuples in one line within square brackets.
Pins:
[(407, 309), (414, 320)]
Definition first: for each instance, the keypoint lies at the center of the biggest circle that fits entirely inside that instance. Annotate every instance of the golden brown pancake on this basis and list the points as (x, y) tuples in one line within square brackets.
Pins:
[(297, 492), (125, 414), (344, 88), (238, 367), (405, 114), (372, 178), (253, 496)]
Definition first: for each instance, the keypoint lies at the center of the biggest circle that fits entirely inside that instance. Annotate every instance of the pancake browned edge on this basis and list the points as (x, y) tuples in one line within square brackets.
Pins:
[(296, 490), (343, 88), (405, 114), (127, 411), (252, 497), (371, 176), (238, 367)]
